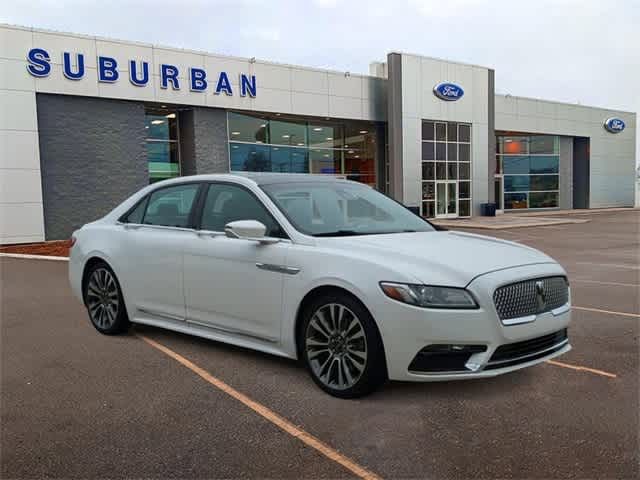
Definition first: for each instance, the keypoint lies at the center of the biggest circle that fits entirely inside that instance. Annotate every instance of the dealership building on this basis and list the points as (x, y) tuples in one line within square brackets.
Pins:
[(87, 121)]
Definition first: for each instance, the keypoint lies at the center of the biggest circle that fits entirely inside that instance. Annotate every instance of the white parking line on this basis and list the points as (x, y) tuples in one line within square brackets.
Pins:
[(599, 282), (610, 312), (612, 265)]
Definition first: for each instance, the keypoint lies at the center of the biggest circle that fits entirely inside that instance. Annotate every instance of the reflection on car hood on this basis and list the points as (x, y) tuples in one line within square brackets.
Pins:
[(445, 257)]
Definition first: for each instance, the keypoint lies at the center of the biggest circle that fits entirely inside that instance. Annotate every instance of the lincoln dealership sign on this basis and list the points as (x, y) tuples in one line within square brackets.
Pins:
[(614, 125), (449, 92), (109, 70)]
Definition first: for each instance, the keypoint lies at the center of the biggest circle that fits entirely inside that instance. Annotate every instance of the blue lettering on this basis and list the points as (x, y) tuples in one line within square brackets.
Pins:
[(223, 84), (39, 65), (247, 84), (133, 73), (67, 66), (198, 82), (107, 69), (169, 73)]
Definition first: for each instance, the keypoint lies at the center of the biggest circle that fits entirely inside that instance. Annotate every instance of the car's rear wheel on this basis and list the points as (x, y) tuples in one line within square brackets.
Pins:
[(342, 347), (104, 300)]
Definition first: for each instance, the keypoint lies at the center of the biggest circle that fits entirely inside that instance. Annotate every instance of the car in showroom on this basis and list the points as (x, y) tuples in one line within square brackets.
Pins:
[(324, 270)]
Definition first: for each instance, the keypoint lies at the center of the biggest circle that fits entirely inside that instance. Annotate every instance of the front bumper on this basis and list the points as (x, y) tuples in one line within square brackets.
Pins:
[(406, 330)]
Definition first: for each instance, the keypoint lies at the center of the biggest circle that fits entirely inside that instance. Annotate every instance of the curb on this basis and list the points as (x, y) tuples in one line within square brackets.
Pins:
[(33, 257)]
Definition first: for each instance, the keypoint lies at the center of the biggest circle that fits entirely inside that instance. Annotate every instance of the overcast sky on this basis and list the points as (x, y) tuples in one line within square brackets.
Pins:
[(583, 51)]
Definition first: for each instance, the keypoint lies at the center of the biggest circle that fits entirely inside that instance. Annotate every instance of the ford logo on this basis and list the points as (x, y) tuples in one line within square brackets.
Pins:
[(614, 125), (448, 91)]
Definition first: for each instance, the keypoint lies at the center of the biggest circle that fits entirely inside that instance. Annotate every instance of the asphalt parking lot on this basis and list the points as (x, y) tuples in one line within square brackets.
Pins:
[(78, 404)]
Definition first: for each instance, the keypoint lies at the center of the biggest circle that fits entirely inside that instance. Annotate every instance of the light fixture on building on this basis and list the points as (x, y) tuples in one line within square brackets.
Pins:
[(363, 131), (286, 136), (263, 125), (234, 146), (170, 115), (300, 144), (163, 106), (157, 122), (357, 156), (329, 138), (317, 129), (350, 151)]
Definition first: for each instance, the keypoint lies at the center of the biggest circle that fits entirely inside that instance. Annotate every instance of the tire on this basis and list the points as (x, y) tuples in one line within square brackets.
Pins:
[(104, 301), (345, 358)]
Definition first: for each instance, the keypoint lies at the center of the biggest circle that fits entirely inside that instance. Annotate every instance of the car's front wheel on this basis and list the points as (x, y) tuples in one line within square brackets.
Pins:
[(104, 301), (342, 347)]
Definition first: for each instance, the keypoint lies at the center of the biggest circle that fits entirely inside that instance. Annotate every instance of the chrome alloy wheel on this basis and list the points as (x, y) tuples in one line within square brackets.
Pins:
[(336, 346), (103, 300)]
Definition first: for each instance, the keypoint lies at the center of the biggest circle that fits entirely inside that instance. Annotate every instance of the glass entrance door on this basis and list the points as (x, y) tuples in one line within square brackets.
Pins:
[(447, 199)]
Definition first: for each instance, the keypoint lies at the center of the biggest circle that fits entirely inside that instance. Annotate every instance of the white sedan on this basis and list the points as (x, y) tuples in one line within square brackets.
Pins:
[(324, 270)]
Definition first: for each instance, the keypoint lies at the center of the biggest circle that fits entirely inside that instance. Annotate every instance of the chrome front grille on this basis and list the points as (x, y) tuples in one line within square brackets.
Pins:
[(530, 297)]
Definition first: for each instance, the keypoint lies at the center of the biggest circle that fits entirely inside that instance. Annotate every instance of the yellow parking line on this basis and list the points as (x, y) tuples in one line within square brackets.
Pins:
[(268, 414), (611, 312), (584, 369)]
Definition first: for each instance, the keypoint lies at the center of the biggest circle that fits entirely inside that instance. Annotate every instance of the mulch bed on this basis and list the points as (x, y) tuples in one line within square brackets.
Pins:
[(59, 248)]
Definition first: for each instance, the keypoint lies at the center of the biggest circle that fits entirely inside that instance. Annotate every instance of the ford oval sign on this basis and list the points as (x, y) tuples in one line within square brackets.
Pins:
[(614, 125), (448, 91)]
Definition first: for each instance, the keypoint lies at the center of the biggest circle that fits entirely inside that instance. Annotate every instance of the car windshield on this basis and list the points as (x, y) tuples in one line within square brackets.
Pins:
[(340, 209)]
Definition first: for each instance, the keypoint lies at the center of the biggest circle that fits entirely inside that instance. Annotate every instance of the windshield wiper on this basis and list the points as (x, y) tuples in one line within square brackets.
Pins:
[(340, 233)]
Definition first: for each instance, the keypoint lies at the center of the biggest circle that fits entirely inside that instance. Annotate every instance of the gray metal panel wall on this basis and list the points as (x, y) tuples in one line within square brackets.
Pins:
[(394, 119), (566, 172), (491, 109), (92, 156), (581, 171)]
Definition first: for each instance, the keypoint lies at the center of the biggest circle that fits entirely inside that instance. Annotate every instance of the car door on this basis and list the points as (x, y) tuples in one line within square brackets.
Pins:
[(235, 285), (153, 252)]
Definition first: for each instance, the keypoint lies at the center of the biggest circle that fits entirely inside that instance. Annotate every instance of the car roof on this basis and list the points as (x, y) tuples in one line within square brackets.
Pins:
[(259, 178)]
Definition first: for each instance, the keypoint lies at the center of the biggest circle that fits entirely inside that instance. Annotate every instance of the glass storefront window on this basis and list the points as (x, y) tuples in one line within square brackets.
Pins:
[(543, 199), (516, 183), (245, 128), (530, 165), (464, 152), (544, 164), (163, 153), (446, 169), (276, 143), (288, 133), (515, 200), (541, 144), (250, 157), (428, 151), (288, 160), (325, 136), (325, 161)]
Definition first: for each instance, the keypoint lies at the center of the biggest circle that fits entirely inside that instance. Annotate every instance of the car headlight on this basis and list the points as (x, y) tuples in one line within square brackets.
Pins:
[(429, 296)]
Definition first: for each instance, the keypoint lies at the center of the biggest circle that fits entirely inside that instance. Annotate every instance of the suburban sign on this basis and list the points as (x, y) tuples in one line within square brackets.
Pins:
[(109, 71), (614, 125), (448, 91)]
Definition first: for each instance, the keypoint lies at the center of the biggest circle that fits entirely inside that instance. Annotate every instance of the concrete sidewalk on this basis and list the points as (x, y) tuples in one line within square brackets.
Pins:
[(527, 219)]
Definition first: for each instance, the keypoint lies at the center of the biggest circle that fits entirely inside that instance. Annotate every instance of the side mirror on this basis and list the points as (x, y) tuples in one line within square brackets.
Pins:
[(248, 230)]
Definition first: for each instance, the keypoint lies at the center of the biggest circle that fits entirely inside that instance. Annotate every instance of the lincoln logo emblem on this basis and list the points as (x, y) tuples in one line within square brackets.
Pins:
[(541, 295)]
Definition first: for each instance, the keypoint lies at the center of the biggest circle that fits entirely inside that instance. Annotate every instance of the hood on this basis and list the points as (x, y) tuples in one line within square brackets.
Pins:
[(441, 257)]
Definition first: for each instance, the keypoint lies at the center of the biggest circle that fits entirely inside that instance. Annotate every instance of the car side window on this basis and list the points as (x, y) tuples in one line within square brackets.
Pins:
[(227, 203), (171, 206), (135, 215)]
